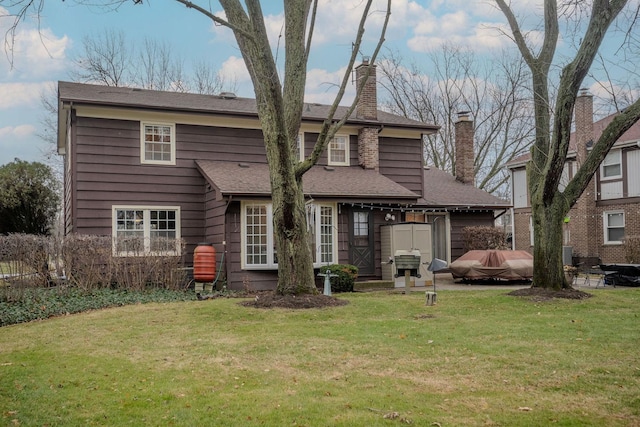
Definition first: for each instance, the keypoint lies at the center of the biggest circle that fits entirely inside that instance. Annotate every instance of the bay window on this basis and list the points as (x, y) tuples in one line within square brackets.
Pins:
[(258, 234)]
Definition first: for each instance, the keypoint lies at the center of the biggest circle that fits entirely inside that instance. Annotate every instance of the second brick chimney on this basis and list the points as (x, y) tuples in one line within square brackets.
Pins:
[(583, 112), (367, 109), (464, 157)]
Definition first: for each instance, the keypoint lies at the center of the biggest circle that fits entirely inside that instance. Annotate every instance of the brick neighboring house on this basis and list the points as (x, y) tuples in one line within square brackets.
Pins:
[(155, 164), (608, 210)]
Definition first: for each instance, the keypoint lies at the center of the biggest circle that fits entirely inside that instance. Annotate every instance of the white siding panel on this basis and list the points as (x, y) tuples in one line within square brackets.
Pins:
[(633, 173), (610, 190), (520, 199)]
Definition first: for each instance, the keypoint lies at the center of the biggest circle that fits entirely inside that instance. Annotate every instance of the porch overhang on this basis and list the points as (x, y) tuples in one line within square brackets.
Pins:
[(344, 184)]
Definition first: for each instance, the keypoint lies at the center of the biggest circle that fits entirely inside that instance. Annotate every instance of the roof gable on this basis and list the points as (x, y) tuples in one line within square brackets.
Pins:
[(252, 179), (224, 105), (441, 189)]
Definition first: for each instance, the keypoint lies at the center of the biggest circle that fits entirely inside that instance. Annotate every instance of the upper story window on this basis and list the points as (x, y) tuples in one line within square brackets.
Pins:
[(158, 143), (258, 239), (611, 166), (339, 151), (300, 147), (144, 230), (613, 227), (520, 195)]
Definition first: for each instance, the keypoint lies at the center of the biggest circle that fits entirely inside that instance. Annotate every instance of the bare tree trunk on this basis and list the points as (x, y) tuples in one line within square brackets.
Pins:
[(548, 270)]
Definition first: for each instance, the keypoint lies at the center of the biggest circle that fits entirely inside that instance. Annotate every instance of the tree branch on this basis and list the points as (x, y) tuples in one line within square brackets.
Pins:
[(329, 127), (214, 18)]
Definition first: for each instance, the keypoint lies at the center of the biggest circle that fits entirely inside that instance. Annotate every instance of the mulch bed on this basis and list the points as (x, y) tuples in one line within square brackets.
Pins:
[(272, 300), (544, 294)]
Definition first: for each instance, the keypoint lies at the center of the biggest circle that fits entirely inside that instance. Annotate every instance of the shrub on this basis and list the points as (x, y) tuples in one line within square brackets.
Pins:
[(346, 275), (632, 249), (87, 262), (483, 237)]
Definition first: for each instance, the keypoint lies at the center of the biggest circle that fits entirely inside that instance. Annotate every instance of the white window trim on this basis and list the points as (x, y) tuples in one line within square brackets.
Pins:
[(143, 160), (531, 234), (334, 235), (605, 226), (618, 161), (147, 229), (270, 264), (301, 146), (347, 154)]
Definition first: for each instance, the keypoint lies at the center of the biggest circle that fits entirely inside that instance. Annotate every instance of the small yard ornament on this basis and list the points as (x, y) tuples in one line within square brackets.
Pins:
[(436, 265), (327, 281)]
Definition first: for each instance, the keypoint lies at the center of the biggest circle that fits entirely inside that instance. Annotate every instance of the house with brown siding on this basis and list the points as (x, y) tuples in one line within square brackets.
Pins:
[(148, 165), (609, 209)]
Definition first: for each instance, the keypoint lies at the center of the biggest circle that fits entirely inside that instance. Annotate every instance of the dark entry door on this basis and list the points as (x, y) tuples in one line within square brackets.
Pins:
[(361, 242)]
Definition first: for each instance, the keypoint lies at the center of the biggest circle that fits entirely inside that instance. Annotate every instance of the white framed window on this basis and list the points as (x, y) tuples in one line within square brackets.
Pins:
[(323, 237), (146, 230), (613, 227), (611, 167), (258, 239), (531, 234), (339, 151), (157, 143), (300, 147)]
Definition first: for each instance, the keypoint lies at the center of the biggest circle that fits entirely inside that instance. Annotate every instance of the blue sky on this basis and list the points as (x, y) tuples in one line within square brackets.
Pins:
[(44, 50)]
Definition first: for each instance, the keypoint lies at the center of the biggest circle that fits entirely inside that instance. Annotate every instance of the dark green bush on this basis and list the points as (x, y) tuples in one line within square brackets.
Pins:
[(346, 276)]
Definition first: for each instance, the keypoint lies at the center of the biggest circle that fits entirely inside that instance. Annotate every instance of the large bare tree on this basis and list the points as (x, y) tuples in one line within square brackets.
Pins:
[(549, 205), (109, 58), (280, 100), (459, 80)]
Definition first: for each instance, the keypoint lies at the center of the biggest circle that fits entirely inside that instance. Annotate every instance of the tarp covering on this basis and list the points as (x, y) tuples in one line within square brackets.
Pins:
[(493, 264), (621, 274)]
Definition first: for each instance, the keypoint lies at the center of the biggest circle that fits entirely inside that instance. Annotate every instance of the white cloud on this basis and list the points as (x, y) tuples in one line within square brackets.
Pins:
[(322, 86), (17, 132), (234, 71), (35, 52), (21, 94)]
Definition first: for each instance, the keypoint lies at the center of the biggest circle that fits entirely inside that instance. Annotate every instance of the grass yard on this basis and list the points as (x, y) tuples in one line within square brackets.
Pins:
[(477, 358)]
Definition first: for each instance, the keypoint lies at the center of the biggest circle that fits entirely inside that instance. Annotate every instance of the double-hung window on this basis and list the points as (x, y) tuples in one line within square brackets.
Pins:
[(339, 151), (158, 143), (144, 230), (258, 234), (611, 167), (613, 227), (300, 147)]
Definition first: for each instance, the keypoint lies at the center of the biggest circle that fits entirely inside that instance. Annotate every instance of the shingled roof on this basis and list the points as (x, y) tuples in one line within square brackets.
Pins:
[(220, 104), (442, 190), (631, 135), (252, 179)]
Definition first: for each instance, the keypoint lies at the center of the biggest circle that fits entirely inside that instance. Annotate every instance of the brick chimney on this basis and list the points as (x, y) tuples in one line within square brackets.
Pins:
[(583, 214), (464, 134), (583, 112), (367, 109)]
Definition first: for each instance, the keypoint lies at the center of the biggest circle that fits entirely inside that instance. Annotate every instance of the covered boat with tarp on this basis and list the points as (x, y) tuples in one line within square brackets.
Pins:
[(493, 264)]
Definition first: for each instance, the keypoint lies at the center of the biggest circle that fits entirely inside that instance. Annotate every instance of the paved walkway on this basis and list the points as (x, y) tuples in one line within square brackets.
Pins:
[(445, 281)]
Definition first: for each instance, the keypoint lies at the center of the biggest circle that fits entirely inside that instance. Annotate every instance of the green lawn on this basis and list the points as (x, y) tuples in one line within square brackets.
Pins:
[(476, 358)]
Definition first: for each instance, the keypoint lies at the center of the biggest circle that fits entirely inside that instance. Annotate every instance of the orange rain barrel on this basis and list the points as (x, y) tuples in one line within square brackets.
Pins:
[(204, 263)]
